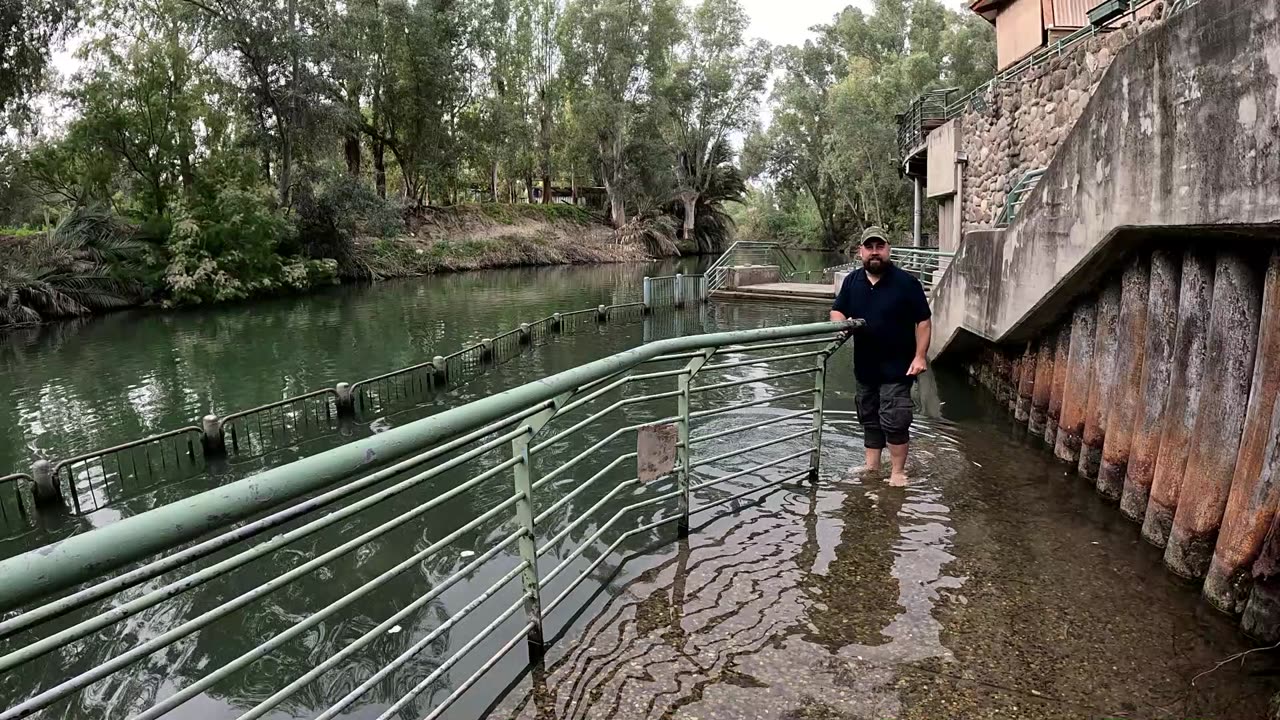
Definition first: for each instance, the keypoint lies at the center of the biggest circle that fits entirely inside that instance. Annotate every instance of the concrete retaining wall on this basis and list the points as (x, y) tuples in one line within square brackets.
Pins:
[(1183, 132)]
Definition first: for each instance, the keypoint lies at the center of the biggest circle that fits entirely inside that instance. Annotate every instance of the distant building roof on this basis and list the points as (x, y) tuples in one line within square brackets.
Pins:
[(988, 8)]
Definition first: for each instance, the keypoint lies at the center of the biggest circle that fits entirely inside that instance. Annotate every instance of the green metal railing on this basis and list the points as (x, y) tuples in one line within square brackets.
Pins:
[(924, 264), (1018, 197), (94, 480), (742, 413), (926, 112), (17, 504)]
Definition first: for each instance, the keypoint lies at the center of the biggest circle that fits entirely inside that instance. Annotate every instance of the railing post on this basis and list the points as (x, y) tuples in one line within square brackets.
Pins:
[(703, 293), (525, 514), (346, 400), (648, 295), (679, 291), (684, 456), (47, 490), (211, 437), (819, 396), (440, 369)]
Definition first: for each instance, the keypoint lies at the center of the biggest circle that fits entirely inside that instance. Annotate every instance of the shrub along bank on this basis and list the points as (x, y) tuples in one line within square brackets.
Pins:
[(235, 245)]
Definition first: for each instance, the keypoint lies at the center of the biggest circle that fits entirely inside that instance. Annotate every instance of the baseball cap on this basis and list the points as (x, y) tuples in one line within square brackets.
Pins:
[(874, 233)]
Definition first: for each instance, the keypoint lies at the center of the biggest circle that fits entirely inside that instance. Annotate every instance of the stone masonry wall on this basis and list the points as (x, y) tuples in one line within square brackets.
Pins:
[(1017, 126)]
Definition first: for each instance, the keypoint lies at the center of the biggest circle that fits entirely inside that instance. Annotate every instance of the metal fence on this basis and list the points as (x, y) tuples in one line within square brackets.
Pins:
[(94, 480), (265, 429), (746, 254), (702, 422), (17, 504), (928, 266)]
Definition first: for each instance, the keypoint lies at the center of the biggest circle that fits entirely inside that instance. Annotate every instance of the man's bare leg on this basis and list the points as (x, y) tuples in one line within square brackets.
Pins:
[(872, 464), (898, 459)]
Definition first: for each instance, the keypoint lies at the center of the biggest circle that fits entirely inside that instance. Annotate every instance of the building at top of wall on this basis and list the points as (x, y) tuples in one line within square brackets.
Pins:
[(979, 156), (1025, 26)]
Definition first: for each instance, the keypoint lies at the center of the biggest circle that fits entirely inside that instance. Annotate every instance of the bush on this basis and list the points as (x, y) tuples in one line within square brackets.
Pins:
[(82, 266), (229, 249), (345, 209)]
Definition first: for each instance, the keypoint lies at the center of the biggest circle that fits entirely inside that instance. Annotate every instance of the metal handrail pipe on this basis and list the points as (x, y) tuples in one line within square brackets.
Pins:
[(86, 556)]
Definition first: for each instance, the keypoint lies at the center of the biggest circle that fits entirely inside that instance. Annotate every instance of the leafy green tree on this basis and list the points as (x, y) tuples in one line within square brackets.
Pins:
[(613, 51), (713, 92), (834, 132), (28, 31)]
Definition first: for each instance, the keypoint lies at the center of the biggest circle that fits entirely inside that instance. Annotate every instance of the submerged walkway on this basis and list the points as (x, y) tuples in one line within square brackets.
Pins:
[(992, 587)]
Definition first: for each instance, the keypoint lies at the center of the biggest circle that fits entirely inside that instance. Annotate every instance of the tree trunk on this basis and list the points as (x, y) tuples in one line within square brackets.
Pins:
[(617, 206), (493, 182), (528, 186), (286, 167), (691, 218), (573, 186), (380, 168), (289, 112), (353, 154)]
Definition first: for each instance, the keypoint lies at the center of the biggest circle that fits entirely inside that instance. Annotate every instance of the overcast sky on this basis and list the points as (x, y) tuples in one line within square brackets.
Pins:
[(787, 22)]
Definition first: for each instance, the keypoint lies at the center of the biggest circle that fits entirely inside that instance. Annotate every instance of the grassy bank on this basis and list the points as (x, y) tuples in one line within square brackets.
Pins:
[(479, 237)]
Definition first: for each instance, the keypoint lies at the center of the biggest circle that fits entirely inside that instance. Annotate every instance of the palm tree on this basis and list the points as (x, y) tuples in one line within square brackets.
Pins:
[(706, 179), (68, 272)]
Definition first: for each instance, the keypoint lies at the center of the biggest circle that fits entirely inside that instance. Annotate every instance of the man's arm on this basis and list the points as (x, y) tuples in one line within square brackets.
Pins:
[(924, 334)]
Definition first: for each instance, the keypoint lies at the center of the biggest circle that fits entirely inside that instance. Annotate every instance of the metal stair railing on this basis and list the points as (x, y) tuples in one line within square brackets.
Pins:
[(1018, 197), (748, 253), (927, 266), (741, 413)]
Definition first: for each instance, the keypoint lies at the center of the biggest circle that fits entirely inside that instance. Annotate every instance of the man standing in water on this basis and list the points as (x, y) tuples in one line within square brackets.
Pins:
[(889, 353)]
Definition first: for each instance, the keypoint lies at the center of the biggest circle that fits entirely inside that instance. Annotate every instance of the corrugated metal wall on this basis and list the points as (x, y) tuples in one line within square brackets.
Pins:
[(1071, 13)]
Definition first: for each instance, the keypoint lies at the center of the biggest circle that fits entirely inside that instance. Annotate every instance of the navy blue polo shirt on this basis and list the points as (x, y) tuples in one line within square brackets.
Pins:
[(884, 349)]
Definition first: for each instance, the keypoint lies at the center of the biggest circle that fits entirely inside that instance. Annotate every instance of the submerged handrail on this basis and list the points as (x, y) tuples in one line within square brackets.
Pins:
[(731, 455)]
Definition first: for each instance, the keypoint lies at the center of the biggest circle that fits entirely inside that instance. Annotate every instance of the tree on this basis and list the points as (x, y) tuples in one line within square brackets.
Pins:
[(714, 90), (614, 50), (28, 30), (834, 130)]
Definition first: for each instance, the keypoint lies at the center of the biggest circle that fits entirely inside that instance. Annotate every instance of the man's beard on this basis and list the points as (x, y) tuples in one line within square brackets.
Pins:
[(876, 266)]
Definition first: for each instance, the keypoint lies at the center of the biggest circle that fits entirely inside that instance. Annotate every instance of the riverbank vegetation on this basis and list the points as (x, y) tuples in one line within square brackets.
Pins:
[(245, 147), (831, 154), (252, 146)]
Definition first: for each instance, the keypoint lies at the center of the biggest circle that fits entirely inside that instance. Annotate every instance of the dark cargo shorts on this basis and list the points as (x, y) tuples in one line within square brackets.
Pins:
[(885, 412)]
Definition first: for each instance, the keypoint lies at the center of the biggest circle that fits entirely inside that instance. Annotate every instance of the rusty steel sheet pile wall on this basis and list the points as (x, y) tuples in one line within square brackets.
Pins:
[(1162, 385)]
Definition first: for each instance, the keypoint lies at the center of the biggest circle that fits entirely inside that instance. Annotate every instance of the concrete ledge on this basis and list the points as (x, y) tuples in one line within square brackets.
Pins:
[(742, 276), (770, 297)]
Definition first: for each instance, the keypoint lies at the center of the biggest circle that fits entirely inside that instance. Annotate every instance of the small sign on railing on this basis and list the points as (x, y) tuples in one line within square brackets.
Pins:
[(655, 452)]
